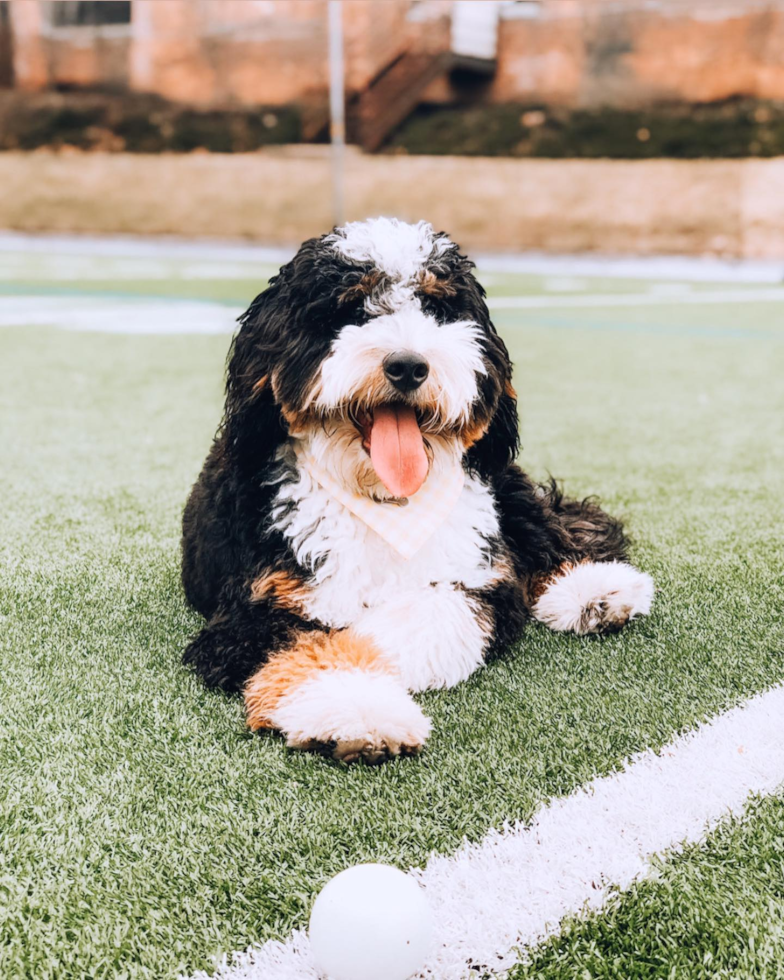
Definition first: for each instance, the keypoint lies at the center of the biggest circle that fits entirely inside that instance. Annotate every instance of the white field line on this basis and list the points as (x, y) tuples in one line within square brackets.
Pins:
[(511, 890), (60, 268), (134, 316), (684, 267), (120, 246), (687, 268), (770, 295), (150, 316)]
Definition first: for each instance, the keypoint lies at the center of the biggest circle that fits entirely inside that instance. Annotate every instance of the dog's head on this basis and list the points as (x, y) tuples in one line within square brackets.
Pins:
[(375, 347)]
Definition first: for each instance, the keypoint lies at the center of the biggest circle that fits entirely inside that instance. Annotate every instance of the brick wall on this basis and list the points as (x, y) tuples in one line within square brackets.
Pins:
[(6, 51), (214, 52), (630, 53), (565, 52)]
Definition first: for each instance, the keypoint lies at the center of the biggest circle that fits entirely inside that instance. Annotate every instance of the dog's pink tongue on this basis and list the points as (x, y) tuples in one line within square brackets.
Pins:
[(396, 449)]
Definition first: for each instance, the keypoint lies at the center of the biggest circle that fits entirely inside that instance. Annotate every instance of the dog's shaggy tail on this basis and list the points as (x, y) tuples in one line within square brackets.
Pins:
[(593, 534)]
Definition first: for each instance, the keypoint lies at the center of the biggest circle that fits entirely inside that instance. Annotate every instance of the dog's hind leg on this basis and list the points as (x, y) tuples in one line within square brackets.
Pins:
[(570, 557), (239, 637), (596, 591), (591, 597)]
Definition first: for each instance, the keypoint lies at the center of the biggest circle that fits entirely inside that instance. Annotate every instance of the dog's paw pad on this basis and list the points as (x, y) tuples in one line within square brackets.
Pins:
[(367, 750)]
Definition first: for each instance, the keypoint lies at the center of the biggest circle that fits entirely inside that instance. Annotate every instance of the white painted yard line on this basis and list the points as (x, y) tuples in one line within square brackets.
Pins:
[(685, 267), (143, 315), (143, 247), (70, 268), (513, 888), (688, 268), (770, 295), (110, 315)]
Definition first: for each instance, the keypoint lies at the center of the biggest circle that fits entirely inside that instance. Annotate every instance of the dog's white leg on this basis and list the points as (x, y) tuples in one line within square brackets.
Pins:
[(436, 637), (366, 715), (594, 597), (336, 690)]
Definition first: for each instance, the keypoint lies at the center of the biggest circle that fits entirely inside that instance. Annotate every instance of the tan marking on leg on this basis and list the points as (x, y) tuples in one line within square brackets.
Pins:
[(311, 652), (282, 589), (535, 586)]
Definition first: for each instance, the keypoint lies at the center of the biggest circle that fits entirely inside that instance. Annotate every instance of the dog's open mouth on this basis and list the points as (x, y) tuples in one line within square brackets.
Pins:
[(392, 436)]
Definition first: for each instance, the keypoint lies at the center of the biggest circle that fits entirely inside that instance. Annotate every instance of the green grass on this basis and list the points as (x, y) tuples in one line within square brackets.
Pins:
[(142, 829), (715, 911)]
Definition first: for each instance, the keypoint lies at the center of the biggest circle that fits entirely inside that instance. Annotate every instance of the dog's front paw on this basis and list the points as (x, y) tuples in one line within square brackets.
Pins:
[(373, 750), (595, 597), (354, 715)]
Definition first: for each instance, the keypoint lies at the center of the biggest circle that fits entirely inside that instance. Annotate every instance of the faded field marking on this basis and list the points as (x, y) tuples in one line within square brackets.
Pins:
[(703, 298), (511, 891), (660, 267), (111, 315), (132, 314)]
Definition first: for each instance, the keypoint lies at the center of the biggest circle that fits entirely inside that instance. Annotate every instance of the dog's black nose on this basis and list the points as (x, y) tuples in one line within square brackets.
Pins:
[(406, 370)]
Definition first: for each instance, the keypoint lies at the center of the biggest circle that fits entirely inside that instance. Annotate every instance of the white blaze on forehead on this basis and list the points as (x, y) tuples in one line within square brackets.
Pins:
[(453, 352), (395, 247)]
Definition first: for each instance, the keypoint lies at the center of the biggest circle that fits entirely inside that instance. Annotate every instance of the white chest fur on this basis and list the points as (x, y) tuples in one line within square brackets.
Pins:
[(355, 570)]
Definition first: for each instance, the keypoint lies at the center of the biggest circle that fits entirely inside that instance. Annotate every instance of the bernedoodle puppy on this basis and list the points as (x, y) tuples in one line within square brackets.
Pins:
[(360, 530)]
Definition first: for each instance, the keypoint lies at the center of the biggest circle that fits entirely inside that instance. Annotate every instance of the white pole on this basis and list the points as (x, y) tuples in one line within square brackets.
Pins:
[(337, 108)]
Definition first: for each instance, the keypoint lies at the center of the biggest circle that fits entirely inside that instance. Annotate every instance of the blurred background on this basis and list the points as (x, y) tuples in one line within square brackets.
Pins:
[(615, 126)]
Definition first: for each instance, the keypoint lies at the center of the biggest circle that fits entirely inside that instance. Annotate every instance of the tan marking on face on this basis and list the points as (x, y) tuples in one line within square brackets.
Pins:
[(374, 391), (471, 434), (364, 287), (296, 421), (310, 653), (282, 589)]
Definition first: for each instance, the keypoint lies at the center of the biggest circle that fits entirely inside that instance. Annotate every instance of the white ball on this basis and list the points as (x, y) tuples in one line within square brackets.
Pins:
[(370, 921)]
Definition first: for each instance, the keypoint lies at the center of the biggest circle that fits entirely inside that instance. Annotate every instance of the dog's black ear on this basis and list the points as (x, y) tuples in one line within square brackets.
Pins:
[(496, 407), (283, 337), (500, 444), (253, 423)]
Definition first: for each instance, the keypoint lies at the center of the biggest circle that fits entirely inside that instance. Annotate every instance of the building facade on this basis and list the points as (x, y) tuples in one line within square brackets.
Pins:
[(274, 52)]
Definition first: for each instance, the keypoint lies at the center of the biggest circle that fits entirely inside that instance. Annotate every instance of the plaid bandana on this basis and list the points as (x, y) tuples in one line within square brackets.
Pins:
[(405, 524)]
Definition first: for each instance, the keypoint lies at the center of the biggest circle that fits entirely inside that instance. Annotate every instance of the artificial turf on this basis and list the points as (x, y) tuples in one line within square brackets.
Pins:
[(143, 829), (714, 911)]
